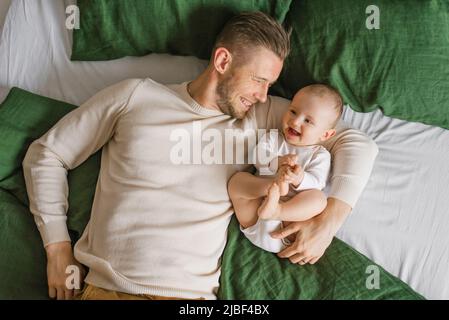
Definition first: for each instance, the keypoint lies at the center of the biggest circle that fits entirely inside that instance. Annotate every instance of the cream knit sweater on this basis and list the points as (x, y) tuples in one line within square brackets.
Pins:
[(157, 227)]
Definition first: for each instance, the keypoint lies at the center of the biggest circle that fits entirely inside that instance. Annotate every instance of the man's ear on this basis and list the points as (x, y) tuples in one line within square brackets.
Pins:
[(222, 59), (328, 134)]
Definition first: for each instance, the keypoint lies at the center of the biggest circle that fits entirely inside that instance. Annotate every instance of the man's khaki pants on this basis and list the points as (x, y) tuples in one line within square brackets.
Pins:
[(91, 292)]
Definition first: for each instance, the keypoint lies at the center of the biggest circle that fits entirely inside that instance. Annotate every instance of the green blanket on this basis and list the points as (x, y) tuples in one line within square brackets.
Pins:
[(341, 274), (247, 273)]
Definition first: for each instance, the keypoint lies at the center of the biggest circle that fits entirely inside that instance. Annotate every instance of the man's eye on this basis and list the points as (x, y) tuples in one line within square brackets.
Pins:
[(259, 81), (293, 112)]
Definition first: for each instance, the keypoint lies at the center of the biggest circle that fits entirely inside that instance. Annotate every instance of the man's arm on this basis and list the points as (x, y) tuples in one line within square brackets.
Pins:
[(65, 146), (353, 155)]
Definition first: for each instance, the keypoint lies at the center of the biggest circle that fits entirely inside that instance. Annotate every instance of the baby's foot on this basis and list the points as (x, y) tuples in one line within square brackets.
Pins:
[(283, 185), (269, 207)]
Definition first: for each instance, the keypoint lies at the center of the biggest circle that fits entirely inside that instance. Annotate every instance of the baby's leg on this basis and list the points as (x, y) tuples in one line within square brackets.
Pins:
[(270, 206), (246, 192), (248, 186), (283, 186), (302, 206), (282, 180)]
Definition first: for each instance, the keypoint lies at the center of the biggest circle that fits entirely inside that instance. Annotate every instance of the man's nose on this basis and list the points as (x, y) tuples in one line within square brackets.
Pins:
[(262, 94)]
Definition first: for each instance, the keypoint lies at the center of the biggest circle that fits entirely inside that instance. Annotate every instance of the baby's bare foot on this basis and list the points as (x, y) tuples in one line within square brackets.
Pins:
[(283, 185), (269, 207)]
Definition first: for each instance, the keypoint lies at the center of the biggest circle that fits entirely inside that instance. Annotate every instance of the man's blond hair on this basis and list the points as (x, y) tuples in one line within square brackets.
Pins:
[(250, 30)]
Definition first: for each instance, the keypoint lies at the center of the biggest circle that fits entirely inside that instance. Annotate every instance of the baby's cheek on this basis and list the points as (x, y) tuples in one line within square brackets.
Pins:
[(285, 119)]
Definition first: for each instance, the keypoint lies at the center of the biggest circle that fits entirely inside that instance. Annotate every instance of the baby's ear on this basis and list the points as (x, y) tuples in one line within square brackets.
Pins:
[(328, 134)]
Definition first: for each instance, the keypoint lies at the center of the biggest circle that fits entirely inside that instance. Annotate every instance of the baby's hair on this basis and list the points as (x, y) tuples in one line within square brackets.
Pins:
[(322, 90)]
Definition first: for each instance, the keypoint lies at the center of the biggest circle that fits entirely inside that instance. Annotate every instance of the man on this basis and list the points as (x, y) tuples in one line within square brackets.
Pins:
[(158, 229)]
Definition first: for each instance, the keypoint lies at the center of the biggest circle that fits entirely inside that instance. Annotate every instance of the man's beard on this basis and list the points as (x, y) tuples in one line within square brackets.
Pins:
[(224, 102)]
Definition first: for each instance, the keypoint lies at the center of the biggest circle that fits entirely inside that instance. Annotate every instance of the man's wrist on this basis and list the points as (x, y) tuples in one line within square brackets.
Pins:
[(55, 248), (335, 214)]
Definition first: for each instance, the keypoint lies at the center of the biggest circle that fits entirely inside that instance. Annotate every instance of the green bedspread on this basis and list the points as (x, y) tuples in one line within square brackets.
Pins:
[(341, 274), (247, 273)]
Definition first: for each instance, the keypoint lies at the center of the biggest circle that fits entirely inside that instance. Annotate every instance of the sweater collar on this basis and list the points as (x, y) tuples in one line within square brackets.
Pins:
[(196, 107)]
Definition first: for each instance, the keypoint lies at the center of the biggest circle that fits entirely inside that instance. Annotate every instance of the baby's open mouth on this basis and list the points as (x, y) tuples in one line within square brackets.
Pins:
[(293, 132)]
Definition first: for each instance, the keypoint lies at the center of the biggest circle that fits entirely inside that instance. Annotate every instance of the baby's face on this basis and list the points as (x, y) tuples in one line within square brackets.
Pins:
[(309, 119)]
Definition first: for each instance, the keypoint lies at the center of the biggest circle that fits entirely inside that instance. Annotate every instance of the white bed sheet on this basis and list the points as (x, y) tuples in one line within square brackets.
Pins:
[(402, 218), (4, 6)]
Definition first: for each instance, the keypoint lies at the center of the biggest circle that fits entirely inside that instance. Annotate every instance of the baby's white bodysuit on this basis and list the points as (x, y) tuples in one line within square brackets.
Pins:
[(315, 161)]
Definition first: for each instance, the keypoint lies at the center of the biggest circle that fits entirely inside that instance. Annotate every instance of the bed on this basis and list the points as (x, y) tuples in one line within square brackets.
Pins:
[(401, 220)]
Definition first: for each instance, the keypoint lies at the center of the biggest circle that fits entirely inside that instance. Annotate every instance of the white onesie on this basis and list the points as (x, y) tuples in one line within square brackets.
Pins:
[(315, 161)]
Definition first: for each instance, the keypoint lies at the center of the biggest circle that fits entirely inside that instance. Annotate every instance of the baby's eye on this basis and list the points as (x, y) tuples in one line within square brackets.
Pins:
[(308, 121)]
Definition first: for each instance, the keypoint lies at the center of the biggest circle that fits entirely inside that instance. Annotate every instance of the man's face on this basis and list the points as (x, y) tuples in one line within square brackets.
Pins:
[(242, 86)]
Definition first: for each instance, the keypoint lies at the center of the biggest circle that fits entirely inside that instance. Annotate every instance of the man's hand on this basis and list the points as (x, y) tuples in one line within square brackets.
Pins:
[(314, 235), (59, 256)]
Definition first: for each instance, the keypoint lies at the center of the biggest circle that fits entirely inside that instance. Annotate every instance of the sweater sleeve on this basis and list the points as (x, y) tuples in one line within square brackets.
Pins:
[(65, 146), (353, 155), (269, 114), (317, 171)]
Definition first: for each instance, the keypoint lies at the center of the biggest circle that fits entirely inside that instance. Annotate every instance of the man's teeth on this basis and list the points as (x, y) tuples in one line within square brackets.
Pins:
[(245, 102)]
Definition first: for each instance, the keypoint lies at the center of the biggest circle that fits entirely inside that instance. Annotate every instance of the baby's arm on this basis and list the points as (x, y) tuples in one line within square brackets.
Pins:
[(317, 171)]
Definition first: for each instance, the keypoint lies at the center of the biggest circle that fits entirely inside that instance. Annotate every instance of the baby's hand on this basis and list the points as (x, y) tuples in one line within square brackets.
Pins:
[(296, 175), (287, 160), (289, 175)]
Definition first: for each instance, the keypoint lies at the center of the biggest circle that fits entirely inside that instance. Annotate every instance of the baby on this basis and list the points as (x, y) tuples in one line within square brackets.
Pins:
[(287, 186)]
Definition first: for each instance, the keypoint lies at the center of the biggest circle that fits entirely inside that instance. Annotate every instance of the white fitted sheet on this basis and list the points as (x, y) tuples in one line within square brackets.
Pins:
[(402, 218)]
